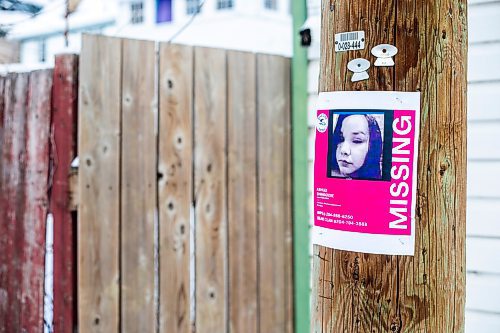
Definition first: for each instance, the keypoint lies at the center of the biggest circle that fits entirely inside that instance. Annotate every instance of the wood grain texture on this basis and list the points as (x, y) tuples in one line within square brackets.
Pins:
[(2, 112), (26, 111), (175, 185), (138, 187), (36, 187), (274, 220), (210, 146), (288, 248), (63, 151), (99, 184), (242, 192), (425, 293), (12, 198)]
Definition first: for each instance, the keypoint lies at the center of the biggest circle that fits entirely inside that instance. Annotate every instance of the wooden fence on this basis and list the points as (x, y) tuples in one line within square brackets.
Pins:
[(184, 189), (37, 144)]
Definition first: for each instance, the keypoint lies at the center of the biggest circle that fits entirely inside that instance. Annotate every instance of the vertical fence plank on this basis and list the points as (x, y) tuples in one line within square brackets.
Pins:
[(64, 118), (175, 185), (275, 273), (36, 199), (242, 193), (2, 111), (210, 190), (99, 184), (287, 197), (138, 187), (2, 239), (12, 197)]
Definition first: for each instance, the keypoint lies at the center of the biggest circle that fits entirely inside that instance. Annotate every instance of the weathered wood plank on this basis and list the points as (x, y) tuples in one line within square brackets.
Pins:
[(2, 112), (424, 293), (286, 86), (64, 122), (3, 93), (242, 192), (175, 185), (273, 193), (317, 294), (36, 187), (138, 187), (99, 184), (12, 198), (210, 190)]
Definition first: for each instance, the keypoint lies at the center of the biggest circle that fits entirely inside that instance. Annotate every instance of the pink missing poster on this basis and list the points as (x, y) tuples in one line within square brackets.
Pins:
[(365, 171)]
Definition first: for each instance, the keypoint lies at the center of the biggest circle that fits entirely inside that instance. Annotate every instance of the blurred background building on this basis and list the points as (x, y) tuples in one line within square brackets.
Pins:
[(39, 29)]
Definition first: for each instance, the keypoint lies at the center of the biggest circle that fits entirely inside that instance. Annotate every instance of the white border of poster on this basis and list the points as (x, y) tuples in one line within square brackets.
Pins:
[(370, 242)]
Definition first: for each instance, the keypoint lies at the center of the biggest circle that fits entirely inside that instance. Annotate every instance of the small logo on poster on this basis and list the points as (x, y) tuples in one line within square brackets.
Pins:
[(322, 124)]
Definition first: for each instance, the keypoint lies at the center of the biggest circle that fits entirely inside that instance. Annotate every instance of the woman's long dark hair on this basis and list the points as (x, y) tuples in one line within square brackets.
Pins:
[(371, 167)]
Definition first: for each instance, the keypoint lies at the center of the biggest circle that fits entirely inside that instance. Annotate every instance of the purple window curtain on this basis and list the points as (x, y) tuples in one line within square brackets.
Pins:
[(163, 11)]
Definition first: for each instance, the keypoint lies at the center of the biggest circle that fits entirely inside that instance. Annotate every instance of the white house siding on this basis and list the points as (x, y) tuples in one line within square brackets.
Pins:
[(483, 204), (483, 197)]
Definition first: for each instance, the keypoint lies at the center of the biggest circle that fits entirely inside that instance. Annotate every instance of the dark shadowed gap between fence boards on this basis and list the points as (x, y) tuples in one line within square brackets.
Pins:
[(180, 142)]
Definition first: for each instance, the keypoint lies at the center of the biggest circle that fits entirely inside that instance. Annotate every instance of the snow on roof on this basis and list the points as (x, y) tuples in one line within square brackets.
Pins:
[(22, 68), (9, 17), (40, 2), (52, 18)]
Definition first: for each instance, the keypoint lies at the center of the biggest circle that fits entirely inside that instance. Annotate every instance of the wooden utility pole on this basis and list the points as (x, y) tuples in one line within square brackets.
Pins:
[(355, 292)]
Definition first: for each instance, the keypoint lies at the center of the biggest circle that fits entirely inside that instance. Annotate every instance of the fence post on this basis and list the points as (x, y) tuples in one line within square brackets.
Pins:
[(374, 293), (63, 151)]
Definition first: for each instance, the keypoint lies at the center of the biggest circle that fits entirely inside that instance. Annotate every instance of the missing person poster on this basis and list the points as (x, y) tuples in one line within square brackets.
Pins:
[(365, 171)]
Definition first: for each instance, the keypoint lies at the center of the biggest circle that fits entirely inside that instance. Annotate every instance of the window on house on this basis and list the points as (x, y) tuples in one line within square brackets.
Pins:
[(163, 11), (192, 7), (136, 12), (271, 4), (224, 4)]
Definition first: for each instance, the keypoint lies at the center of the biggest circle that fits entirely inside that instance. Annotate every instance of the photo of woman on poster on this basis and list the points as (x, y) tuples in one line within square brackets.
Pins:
[(356, 146)]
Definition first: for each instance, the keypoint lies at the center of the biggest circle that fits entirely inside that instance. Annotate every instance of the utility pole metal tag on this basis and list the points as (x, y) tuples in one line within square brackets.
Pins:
[(349, 41)]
